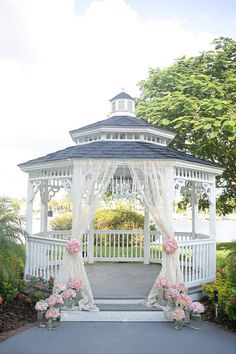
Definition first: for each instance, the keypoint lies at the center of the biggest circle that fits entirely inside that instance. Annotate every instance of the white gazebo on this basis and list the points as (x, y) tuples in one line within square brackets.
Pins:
[(131, 157)]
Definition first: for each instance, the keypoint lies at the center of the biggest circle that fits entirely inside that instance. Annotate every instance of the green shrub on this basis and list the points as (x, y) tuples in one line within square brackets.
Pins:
[(62, 222), (25, 291), (104, 220), (118, 220), (225, 281)]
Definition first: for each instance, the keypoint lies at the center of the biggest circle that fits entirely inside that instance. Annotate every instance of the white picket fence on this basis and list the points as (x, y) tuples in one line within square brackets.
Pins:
[(44, 252)]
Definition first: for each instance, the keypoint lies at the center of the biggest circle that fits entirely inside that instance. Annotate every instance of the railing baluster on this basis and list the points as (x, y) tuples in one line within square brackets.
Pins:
[(123, 244), (109, 245), (118, 248)]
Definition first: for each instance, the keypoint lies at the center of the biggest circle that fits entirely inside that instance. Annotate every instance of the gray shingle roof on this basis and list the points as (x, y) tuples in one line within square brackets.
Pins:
[(122, 95), (118, 150), (120, 121)]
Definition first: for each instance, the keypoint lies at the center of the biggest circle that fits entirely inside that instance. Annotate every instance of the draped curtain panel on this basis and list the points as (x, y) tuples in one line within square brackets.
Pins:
[(90, 181), (155, 184)]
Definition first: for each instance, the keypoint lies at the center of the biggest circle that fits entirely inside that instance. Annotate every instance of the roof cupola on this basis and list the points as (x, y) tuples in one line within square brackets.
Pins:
[(122, 105)]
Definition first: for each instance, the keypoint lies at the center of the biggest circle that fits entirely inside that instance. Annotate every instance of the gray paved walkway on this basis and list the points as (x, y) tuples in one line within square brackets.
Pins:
[(123, 280), (121, 338)]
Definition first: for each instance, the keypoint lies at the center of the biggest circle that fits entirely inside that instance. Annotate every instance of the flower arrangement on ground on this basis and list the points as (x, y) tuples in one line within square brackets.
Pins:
[(178, 316), (52, 315), (41, 308), (184, 301), (197, 307), (55, 300), (41, 305)]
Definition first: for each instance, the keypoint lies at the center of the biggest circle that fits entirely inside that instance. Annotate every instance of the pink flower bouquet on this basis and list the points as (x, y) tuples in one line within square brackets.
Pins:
[(178, 314), (73, 246), (58, 288), (163, 283), (41, 305), (180, 287), (52, 313), (184, 301), (197, 307), (74, 284), (170, 247), (69, 293), (172, 293)]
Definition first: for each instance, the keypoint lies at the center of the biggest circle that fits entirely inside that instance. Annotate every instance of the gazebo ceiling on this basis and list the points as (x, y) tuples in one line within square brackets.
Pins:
[(118, 150)]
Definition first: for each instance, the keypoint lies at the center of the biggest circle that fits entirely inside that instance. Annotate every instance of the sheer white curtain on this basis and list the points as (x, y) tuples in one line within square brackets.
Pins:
[(155, 183), (90, 181)]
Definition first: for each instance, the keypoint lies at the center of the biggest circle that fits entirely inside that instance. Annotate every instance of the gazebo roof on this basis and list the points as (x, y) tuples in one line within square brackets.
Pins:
[(122, 95), (120, 121), (118, 150)]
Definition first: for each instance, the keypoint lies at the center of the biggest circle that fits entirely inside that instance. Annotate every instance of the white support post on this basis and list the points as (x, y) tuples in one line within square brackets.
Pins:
[(91, 244), (212, 225), (29, 208), (44, 207), (194, 202), (146, 238), (29, 224)]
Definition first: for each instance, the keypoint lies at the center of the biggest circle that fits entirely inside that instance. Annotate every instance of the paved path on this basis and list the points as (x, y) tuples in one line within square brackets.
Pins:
[(121, 338)]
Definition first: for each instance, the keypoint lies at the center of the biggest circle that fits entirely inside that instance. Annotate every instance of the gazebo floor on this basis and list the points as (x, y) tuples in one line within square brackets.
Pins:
[(121, 280), (119, 290)]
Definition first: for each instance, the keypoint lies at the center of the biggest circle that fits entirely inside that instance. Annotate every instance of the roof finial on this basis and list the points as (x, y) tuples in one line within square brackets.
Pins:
[(122, 89)]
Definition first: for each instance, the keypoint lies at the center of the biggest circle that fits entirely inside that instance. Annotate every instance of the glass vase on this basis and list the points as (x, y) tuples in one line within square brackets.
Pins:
[(59, 317), (41, 319), (161, 300), (69, 303), (52, 324), (171, 305), (187, 316), (196, 322), (77, 298), (179, 324)]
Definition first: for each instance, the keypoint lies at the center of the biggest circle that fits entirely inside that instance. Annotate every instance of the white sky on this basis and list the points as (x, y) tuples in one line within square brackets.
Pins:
[(58, 70)]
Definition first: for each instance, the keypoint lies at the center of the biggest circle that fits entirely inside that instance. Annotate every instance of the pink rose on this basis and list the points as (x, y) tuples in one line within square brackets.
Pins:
[(181, 287), (69, 293), (197, 307), (163, 283), (170, 247), (74, 283), (52, 313), (184, 301), (178, 314), (0, 300), (73, 246), (172, 293)]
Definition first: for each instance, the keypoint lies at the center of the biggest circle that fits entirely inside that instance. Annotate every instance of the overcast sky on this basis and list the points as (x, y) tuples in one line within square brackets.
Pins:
[(62, 60)]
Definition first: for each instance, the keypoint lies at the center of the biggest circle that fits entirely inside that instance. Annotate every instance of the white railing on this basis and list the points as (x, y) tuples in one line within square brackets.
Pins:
[(197, 261), (44, 255), (44, 252), (119, 246)]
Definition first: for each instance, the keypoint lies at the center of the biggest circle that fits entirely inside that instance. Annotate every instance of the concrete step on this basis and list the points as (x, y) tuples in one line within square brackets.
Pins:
[(115, 312), (116, 301)]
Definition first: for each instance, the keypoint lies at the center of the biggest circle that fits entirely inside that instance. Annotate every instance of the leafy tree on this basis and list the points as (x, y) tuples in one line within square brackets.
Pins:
[(11, 236), (196, 97)]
